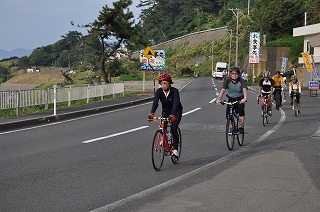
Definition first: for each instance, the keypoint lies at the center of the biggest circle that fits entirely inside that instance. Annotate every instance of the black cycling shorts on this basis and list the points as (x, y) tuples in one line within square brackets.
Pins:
[(239, 107)]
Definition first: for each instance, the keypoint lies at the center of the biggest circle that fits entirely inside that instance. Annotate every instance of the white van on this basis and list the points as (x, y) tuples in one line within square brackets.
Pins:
[(220, 70)]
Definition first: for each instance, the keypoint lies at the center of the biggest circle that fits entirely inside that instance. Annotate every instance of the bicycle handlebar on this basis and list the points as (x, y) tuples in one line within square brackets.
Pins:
[(229, 103), (159, 118)]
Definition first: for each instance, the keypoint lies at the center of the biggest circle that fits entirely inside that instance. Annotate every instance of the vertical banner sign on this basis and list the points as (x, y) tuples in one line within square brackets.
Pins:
[(307, 61), (284, 64), (254, 48), (156, 60)]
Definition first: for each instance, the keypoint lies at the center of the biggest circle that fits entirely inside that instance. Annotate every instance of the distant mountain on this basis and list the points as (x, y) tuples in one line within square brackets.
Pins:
[(16, 52)]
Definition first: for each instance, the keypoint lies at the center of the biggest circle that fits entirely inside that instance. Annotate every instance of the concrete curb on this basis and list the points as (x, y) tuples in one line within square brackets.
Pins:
[(75, 114)]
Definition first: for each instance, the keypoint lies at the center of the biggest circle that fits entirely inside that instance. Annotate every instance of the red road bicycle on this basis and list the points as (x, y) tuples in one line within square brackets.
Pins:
[(161, 146)]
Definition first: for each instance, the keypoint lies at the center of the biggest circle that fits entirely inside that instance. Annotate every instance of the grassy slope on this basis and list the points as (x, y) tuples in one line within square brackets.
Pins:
[(37, 78)]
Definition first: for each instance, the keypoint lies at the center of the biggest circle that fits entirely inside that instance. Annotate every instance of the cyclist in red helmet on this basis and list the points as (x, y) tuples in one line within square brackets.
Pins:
[(171, 107)]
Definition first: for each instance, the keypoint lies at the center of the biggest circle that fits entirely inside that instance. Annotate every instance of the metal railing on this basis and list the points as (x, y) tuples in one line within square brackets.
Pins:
[(16, 99)]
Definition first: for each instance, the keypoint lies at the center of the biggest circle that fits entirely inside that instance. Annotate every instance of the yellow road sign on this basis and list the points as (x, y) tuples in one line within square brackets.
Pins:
[(148, 52)]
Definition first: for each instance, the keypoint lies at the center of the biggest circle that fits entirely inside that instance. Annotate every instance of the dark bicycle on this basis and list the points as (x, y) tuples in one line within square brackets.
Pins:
[(295, 105), (232, 126), (265, 114), (277, 97)]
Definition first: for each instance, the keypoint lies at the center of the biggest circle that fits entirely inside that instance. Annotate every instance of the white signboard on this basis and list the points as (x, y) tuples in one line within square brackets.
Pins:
[(284, 64), (254, 48), (157, 61)]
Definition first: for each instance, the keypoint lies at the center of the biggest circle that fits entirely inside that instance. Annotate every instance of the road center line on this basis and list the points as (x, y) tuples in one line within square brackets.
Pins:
[(191, 111), (213, 100), (113, 135)]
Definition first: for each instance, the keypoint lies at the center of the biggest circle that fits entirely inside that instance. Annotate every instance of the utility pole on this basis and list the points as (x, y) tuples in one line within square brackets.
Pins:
[(211, 57), (230, 47), (237, 33)]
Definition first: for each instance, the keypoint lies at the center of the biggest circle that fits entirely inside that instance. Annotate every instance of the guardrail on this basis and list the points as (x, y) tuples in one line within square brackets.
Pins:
[(16, 99)]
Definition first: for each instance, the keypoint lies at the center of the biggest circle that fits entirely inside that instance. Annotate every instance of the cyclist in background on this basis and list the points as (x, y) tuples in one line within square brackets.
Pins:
[(237, 91), (171, 107), (284, 88), (266, 88), (244, 75), (278, 84), (295, 88)]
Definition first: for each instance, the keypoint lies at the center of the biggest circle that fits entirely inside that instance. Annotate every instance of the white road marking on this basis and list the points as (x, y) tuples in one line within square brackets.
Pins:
[(185, 85), (113, 135), (191, 111), (213, 100)]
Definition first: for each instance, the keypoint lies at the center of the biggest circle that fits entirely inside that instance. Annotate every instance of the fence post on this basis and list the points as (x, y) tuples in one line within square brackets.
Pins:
[(46, 99), (113, 89), (17, 102), (69, 96), (101, 89), (55, 100), (88, 95)]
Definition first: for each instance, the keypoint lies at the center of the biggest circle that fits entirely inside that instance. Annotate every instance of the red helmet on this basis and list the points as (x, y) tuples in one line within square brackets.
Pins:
[(165, 77)]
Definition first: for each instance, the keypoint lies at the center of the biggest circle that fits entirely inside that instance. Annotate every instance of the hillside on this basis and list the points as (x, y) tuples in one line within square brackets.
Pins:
[(23, 80), (16, 52)]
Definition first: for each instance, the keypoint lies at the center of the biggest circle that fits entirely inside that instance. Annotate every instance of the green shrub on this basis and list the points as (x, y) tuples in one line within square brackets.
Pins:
[(295, 44), (131, 77)]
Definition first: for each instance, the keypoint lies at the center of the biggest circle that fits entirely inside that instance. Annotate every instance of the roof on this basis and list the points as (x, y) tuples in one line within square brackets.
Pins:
[(306, 30)]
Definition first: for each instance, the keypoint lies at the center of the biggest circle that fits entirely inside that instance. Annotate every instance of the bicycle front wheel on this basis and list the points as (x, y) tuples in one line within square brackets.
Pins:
[(175, 160), (295, 106), (265, 115), (229, 133), (277, 99), (240, 138), (158, 150), (267, 118)]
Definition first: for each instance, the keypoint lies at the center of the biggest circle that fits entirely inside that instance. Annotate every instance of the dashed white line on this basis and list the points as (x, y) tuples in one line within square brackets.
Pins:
[(191, 111), (113, 135), (213, 100)]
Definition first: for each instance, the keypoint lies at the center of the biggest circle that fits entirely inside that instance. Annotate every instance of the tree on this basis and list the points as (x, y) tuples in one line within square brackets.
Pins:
[(114, 27), (24, 62)]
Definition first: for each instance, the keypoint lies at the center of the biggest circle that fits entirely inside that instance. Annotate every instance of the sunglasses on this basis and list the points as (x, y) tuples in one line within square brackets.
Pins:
[(164, 83)]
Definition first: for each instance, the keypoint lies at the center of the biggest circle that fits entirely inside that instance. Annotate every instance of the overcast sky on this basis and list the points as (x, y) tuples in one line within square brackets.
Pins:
[(30, 24)]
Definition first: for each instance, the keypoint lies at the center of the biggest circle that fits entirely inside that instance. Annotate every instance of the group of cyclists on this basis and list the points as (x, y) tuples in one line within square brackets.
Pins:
[(268, 87), (237, 91)]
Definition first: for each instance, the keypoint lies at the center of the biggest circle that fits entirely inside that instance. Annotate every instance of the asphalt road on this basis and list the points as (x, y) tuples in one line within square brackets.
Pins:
[(102, 162)]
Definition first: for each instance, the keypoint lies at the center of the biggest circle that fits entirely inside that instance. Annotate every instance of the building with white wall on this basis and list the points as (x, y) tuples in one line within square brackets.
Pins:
[(311, 34)]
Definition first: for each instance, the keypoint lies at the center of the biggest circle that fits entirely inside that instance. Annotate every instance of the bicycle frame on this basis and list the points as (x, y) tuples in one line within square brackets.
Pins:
[(161, 146), (232, 126), (265, 116), (233, 115), (164, 123), (295, 104), (277, 97)]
